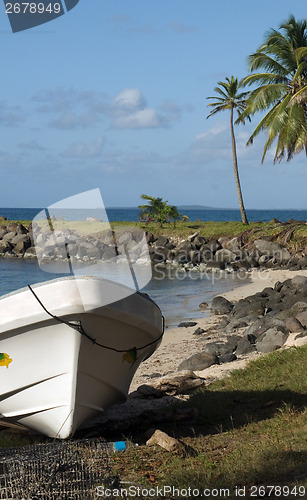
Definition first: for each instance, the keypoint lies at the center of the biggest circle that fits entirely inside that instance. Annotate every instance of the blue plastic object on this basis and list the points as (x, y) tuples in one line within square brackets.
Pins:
[(119, 446)]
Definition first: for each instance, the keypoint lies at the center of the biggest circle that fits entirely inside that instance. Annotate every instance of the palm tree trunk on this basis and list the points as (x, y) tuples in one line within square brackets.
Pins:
[(235, 168)]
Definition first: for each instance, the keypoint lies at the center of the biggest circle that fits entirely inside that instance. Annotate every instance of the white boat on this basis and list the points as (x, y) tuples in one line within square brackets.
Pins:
[(64, 359)]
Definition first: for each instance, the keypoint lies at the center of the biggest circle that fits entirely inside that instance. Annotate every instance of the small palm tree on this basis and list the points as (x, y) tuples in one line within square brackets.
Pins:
[(158, 210), (281, 89), (230, 98)]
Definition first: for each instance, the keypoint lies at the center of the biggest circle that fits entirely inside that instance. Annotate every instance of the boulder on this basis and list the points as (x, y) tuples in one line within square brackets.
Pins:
[(162, 241), (246, 345), (293, 325), (199, 362), (12, 227), (234, 245), (186, 324), (213, 245), (271, 340), (9, 236), (262, 324), (21, 243), (198, 242), (109, 253), (227, 358), (224, 256), (272, 249), (205, 254), (220, 305), (246, 307), (89, 250), (21, 229), (161, 254), (302, 318), (299, 307), (149, 237), (5, 246), (219, 348)]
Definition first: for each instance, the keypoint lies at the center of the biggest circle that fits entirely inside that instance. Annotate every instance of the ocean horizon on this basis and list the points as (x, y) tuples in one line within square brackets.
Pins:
[(132, 214)]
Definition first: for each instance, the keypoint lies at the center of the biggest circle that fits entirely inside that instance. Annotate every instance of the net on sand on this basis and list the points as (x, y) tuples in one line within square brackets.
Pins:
[(60, 470)]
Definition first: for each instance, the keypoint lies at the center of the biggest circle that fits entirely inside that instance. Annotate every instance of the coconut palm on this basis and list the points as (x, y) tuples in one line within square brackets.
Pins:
[(281, 89), (230, 98)]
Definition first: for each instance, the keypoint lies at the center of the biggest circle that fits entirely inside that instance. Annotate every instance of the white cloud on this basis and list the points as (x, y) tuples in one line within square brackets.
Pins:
[(80, 149), (130, 110)]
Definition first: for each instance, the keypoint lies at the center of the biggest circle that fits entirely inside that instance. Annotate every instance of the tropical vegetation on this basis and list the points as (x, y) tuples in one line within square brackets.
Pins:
[(231, 98), (158, 211), (281, 89)]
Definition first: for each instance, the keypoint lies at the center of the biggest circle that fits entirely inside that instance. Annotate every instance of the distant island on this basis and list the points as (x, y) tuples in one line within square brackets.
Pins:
[(180, 207)]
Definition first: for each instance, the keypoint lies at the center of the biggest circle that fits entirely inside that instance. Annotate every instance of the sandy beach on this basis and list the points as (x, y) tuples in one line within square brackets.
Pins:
[(180, 343)]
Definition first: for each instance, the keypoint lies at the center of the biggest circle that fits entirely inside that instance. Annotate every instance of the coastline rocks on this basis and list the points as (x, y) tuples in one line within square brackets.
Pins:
[(199, 362), (271, 339), (220, 305), (268, 317), (196, 252)]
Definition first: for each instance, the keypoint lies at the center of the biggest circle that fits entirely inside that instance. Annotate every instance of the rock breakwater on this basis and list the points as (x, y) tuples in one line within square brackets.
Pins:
[(195, 252)]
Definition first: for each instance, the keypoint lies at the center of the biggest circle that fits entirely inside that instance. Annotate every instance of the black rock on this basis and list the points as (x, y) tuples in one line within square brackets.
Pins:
[(227, 358), (246, 345), (198, 331), (220, 305), (199, 362), (186, 324), (271, 339)]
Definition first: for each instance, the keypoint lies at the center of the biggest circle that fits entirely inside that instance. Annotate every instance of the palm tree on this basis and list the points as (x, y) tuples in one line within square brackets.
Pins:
[(158, 210), (281, 88), (231, 98)]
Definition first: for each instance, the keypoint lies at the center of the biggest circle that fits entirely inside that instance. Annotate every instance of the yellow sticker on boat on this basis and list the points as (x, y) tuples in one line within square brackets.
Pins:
[(130, 356), (5, 360)]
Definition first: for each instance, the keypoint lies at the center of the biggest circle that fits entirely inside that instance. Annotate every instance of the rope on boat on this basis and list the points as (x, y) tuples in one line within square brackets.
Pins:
[(77, 325)]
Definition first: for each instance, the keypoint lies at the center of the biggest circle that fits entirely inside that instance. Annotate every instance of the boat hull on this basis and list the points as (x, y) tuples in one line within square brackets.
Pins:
[(59, 376)]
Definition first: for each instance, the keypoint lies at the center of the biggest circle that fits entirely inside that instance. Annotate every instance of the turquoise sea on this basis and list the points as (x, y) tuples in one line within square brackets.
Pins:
[(178, 294)]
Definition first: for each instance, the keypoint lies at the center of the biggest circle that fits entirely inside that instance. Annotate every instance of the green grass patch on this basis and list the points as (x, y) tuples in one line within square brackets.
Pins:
[(251, 430)]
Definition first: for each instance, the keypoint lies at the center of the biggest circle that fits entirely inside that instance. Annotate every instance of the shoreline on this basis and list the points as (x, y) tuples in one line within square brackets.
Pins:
[(179, 343)]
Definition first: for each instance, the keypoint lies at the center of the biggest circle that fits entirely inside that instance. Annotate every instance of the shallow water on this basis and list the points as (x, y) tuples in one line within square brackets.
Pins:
[(177, 293)]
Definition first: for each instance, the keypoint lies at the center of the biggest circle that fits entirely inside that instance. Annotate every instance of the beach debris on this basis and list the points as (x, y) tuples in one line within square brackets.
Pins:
[(164, 440), (171, 386), (186, 324)]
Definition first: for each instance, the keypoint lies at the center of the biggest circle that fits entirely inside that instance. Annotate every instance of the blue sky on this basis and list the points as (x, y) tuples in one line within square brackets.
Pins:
[(113, 95)]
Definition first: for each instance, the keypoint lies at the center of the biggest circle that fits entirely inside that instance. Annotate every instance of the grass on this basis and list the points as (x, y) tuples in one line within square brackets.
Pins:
[(251, 430)]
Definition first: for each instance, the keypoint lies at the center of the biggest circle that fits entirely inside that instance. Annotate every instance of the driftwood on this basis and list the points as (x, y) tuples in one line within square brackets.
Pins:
[(179, 384)]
